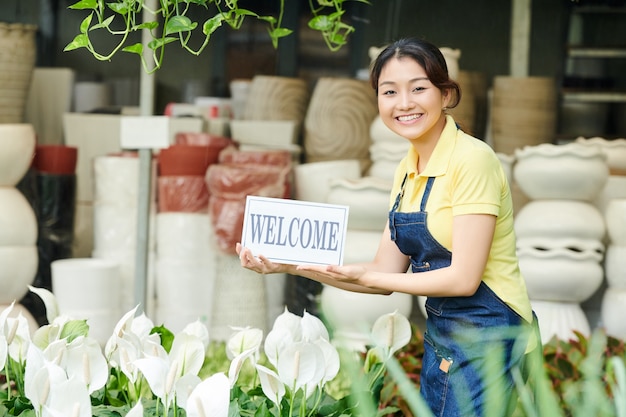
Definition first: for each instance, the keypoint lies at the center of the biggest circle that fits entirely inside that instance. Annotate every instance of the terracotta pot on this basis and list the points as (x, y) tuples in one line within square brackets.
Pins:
[(571, 171), (203, 139), (55, 159), (184, 194), (186, 159)]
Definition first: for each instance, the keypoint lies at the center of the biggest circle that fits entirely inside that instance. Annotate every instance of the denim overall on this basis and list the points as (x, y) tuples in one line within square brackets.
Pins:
[(463, 334)]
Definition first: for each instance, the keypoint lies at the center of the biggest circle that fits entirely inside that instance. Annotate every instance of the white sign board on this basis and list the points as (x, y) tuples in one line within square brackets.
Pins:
[(295, 232), (144, 132)]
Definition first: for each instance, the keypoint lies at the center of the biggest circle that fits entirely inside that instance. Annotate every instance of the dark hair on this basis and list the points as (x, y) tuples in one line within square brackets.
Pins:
[(424, 53)]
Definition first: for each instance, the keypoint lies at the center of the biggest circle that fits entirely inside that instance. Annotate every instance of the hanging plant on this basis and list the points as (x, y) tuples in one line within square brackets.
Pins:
[(173, 22)]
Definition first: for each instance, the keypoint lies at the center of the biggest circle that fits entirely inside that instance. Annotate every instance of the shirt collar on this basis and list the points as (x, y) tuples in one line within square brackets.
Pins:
[(438, 162)]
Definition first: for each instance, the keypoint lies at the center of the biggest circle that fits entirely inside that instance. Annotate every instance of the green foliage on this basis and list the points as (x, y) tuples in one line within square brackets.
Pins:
[(172, 22)]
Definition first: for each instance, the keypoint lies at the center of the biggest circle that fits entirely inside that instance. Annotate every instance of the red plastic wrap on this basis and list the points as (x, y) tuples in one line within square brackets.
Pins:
[(186, 194), (239, 174), (204, 139)]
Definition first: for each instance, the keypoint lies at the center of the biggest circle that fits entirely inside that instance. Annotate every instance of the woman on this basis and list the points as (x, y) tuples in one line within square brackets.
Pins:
[(451, 221)]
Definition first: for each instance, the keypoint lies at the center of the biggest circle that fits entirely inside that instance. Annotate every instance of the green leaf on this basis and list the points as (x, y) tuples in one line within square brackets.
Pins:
[(105, 23), (213, 24), (135, 49), (84, 25), (74, 328), (322, 23), (80, 41), (280, 33), (85, 5), (161, 42), (120, 8), (167, 337), (179, 24), (146, 25)]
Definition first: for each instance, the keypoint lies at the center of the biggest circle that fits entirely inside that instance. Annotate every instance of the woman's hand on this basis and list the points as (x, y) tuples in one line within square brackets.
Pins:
[(347, 274), (259, 264)]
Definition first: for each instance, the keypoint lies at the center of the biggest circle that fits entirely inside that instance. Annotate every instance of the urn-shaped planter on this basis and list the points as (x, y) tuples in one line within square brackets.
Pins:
[(615, 150), (615, 217), (567, 274), (571, 171), (613, 312)]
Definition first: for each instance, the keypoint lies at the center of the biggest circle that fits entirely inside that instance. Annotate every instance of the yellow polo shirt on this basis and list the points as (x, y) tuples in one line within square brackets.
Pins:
[(469, 180)]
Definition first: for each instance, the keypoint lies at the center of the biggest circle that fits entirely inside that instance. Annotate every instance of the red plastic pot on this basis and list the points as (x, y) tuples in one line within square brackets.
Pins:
[(186, 159), (55, 159)]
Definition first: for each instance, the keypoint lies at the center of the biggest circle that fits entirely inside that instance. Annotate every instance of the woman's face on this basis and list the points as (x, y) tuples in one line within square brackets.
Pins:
[(408, 103)]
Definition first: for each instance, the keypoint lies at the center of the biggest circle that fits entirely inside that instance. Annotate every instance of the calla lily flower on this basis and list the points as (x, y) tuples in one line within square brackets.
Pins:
[(272, 386), (184, 387), (331, 359), (39, 377), (313, 328), (49, 302), (86, 362), (198, 329), (210, 398), (68, 399), (301, 365), (17, 333), (189, 351), (136, 411), (276, 341), (245, 339), (290, 322), (391, 332), (3, 340)]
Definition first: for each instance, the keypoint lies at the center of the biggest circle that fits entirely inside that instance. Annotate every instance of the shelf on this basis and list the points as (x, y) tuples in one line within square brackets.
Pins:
[(596, 52), (599, 9), (594, 96)]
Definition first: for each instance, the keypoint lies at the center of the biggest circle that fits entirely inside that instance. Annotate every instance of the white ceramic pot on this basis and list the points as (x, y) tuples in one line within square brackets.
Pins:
[(382, 169), (351, 315), (615, 217), (389, 151), (368, 199), (507, 162), (18, 223), (560, 274), (615, 150), (17, 147), (560, 320), (571, 171), (379, 132), (19, 267), (312, 180), (559, 219), (614, 188), (271, 133), (615, 266), (361, 245), (613, 303), (86, 284)]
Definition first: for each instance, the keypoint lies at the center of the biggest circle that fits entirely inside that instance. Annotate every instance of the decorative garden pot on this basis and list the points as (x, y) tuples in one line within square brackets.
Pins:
[(615, 266), (17, 146), (615, 150), (507, 162), (613, 304), (560, 219), (571, 171), (615, 217), (368, 199), (559, 319), (561, 274), (312, 180)]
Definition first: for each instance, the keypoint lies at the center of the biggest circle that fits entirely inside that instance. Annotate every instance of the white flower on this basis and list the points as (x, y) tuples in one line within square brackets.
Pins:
[(272, 386), (210, 398), (86, 362), (391, 332), (301, 365), (68, 399)]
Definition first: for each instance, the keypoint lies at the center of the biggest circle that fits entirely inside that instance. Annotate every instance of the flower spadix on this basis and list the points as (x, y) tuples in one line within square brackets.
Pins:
[(391, 332)]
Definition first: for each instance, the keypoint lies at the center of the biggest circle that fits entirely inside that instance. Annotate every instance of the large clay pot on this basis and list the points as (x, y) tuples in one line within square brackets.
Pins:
[(571, 171), (615, 266), (55, 159), (368, 199), (615, 217), (312, 180)]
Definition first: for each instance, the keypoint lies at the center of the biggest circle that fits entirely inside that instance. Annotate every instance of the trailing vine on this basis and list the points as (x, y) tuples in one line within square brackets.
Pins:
[(172, 22)]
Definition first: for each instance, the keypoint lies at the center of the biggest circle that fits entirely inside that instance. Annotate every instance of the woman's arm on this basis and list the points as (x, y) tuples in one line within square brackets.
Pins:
[(388, 259), (471, 243)]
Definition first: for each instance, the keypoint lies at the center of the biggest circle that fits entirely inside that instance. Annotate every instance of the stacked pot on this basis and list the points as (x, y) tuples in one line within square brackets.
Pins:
[(560, 232), (615, 269), (18, 223)]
